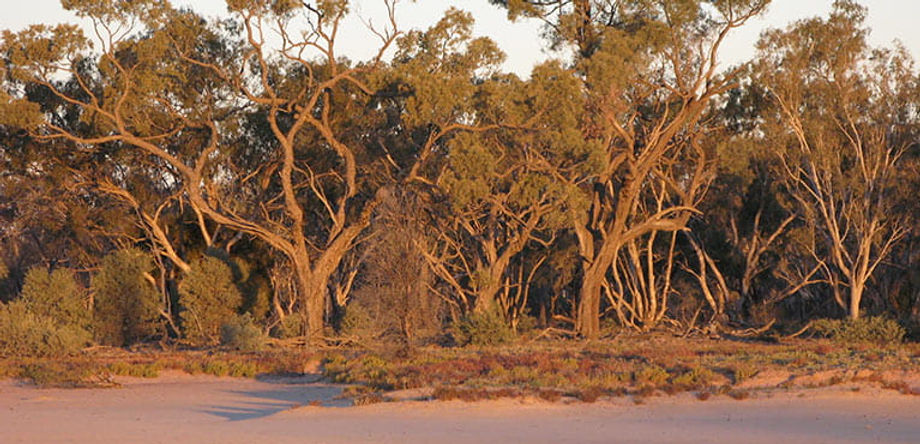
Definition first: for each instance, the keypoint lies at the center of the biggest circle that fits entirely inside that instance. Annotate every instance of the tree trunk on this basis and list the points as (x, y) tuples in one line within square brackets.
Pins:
[(312, 296), (587, 324), (856, 292)]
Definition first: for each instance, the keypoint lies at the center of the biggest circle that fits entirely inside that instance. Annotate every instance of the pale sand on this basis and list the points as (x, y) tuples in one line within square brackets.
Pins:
[(184, 409)]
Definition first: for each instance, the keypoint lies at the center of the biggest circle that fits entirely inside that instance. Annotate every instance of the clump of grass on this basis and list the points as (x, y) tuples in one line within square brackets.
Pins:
[(695, 378), (900, 386), (138, 370), (369, 369), (216, 368), (549, 395), (651, 375), (448, 393), (486, 328), (368, 399), (739, 395), (64, 374), (742, 372), (243, 369), (876, 330), (589, 394)]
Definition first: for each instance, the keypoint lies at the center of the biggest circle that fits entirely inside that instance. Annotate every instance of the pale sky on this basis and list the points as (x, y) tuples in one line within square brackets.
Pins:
[(889, 20)]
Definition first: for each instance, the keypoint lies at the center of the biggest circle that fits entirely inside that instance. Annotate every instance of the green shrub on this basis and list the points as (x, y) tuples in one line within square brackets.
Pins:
[(24, 333), (242, 334), (486, 328), (650, 375), (63, 374), (56, 295), (216, 368), (49, 319), (127, 305), (695, 378), (209, 299), (877, 330), (243, 369), (291, 326), (138, 370)]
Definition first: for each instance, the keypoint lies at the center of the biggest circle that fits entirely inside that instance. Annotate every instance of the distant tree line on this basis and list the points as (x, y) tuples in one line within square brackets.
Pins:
[(169, 176)]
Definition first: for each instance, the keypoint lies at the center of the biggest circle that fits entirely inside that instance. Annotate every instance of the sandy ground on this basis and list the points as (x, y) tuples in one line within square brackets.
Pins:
[(182, 409)]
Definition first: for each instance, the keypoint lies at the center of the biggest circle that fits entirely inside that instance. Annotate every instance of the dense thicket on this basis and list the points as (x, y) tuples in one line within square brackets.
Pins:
[(171, 176)]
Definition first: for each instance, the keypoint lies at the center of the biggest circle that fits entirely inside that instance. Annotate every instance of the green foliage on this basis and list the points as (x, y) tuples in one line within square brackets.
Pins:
[(126, 303), (216, 368), (485, 328), (56, 295), (65, 374), (650, 375), (49, 319), (878, 330), (693, 379), (26, 333), (209, 299), (370, 369), (241, 333), (291, 326), (137, 370)]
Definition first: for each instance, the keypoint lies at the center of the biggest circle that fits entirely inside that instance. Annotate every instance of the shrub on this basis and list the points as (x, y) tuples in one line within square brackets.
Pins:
[(650, 375), (695, 378), (291, 326), (56, 295), (216, 368), (392, 308), (126, 304), (67, 374), (209, 299), (877, 330), (24, 333), (242, 334), (138, 370), (485, 328)]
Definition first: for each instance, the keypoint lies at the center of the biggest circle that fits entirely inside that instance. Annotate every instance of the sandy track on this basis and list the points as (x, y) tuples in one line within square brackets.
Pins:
[(178, 408)]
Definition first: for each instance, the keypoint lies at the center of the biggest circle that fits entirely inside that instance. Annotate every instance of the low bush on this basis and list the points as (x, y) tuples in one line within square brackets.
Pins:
[(49, 319), (242, 334), (209, 299), (56, 295), (216, 368), (137, 370), (127, 305), (485, 328), (24, 333), (878, 330), (693, 379), (650, 375), (66, 374)]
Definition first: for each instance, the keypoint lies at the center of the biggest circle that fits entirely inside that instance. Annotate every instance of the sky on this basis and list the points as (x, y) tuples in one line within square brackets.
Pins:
[(521, 41)]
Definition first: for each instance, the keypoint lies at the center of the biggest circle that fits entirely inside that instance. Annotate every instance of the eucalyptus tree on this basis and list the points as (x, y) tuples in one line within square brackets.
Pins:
[(176, 88), (279, 140), (844, 116), (511, 186), (650, 71)]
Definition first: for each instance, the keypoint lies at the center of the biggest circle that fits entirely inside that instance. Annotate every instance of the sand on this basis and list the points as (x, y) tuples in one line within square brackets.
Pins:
[(178, 408)]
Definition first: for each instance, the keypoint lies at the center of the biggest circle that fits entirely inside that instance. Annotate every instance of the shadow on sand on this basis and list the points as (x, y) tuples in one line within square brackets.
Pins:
[(291, 392)]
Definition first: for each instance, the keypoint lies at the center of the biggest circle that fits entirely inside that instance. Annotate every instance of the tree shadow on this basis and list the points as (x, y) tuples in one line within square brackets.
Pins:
[(254, 404)]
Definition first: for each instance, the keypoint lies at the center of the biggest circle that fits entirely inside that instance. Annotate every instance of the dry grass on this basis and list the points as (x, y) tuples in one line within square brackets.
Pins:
[(636, 366), (97, 367), (639, 366)]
